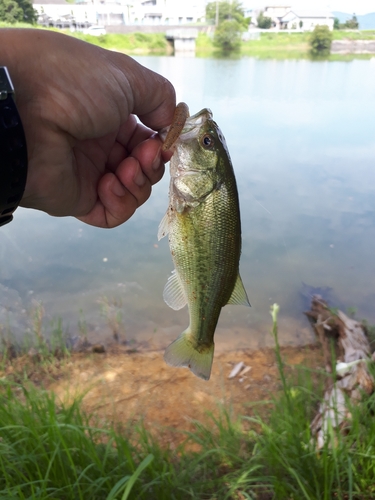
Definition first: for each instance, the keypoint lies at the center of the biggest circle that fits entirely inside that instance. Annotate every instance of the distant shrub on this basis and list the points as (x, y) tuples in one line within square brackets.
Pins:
[(264, 22), (320, 41), (352, 24), (228, 36), (227, 11)]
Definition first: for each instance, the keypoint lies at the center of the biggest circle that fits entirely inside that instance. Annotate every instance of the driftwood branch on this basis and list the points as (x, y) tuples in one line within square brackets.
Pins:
[(352, 380)]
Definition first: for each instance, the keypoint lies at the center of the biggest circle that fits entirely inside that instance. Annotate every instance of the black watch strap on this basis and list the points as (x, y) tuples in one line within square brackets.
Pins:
[(13, 151)]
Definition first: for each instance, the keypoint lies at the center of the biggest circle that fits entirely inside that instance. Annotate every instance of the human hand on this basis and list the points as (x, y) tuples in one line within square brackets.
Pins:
[(88, 155)]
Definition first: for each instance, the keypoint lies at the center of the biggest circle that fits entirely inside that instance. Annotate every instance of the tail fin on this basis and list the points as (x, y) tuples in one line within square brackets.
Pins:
[(182, 353)]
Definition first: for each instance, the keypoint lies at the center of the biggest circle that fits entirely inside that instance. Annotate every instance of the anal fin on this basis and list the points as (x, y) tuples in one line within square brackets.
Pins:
[(174, 294)]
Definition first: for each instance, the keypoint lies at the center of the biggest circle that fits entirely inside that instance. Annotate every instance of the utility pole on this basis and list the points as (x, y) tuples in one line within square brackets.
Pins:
[(217, 14)]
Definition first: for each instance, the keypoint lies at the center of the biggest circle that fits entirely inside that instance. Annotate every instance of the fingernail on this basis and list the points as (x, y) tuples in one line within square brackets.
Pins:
[(157, 160), (139, 178)]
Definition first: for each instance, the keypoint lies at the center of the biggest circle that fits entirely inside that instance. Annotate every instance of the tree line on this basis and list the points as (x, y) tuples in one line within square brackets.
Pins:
[(230, 22), (13, 11), (228, 17), (350, 24)]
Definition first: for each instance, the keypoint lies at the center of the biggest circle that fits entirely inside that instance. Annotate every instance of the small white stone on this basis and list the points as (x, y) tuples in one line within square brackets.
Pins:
[(236, 369)]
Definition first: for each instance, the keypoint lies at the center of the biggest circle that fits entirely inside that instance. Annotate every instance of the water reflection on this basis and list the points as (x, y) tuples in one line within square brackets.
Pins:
[(301, 136)]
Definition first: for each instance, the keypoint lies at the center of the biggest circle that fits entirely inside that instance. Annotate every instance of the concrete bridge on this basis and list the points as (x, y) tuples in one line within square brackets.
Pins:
[(182, 40)]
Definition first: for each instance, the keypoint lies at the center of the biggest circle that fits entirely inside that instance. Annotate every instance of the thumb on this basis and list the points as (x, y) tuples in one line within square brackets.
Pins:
[(154, 97)]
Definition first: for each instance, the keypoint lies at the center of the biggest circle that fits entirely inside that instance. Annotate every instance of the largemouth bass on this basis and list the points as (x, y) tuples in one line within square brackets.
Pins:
[(203, 223)]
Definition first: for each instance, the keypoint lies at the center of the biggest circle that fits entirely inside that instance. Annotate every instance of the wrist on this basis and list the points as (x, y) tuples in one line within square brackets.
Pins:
[(13, 168)]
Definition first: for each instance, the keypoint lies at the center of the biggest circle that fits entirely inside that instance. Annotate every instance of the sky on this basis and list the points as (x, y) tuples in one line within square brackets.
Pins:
[(358, 6)]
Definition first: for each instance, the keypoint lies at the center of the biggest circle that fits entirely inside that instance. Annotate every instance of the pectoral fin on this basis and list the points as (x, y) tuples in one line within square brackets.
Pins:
[(163, 227), (174, 294), (239, 295)]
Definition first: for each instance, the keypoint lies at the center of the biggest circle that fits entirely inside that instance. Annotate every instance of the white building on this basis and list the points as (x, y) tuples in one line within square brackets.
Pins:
[(306, 19), (277, 11), (286, 17), (114, 12), (168, 11), (65, 15)]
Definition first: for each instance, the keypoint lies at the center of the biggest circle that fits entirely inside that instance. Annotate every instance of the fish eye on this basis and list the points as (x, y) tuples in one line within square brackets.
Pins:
[(207, 141)]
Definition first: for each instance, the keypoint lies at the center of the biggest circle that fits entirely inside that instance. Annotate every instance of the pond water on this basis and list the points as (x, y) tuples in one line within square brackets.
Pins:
[(302, 140)]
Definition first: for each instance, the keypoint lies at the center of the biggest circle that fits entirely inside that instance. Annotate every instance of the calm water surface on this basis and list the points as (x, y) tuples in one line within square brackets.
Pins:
[(302, 140)]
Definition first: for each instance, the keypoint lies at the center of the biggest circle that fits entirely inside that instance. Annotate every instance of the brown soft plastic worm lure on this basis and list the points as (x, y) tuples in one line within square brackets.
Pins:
[(179, 118)]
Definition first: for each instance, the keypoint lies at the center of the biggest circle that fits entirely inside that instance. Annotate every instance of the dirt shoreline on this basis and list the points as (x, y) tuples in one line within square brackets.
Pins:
[(128, 388)]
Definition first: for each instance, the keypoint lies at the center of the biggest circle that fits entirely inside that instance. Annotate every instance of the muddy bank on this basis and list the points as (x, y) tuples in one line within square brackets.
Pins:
[(353, 47), (127, 388)]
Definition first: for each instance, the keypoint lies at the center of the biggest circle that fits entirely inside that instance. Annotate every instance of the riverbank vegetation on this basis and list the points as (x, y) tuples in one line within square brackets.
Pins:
[(320, 41), (268, 45), (132, 43), (283, 45), (271, 45), (53, 450)]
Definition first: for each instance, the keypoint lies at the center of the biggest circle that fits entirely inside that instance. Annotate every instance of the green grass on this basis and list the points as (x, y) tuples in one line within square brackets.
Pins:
[(134, 42), (270, 45), (353, 35), (284, 45), (43, 344), (145, 43), (52, 451), (278, 46), (16, 25), (344, 468), (49, 450)]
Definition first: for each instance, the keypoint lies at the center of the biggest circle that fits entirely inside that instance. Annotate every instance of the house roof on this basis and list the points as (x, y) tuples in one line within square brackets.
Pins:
[(301, 14), (46, 2), (277, 4)]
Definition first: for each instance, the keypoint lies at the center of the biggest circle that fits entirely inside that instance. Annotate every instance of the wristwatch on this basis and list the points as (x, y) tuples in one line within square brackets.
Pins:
[(13, 151)]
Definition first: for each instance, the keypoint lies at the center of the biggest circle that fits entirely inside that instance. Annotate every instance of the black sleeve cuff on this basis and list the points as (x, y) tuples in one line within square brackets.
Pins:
[(13, 152)]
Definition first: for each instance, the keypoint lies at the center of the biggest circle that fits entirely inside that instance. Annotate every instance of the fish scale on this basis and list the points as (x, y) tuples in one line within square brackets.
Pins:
[(203, 223), (209, 284)]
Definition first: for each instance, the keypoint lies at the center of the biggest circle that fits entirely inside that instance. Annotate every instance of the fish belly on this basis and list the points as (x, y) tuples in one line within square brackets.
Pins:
[(205, 245)]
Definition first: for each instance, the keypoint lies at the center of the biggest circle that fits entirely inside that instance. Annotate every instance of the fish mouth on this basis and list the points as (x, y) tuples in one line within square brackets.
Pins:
[(194, 123)]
